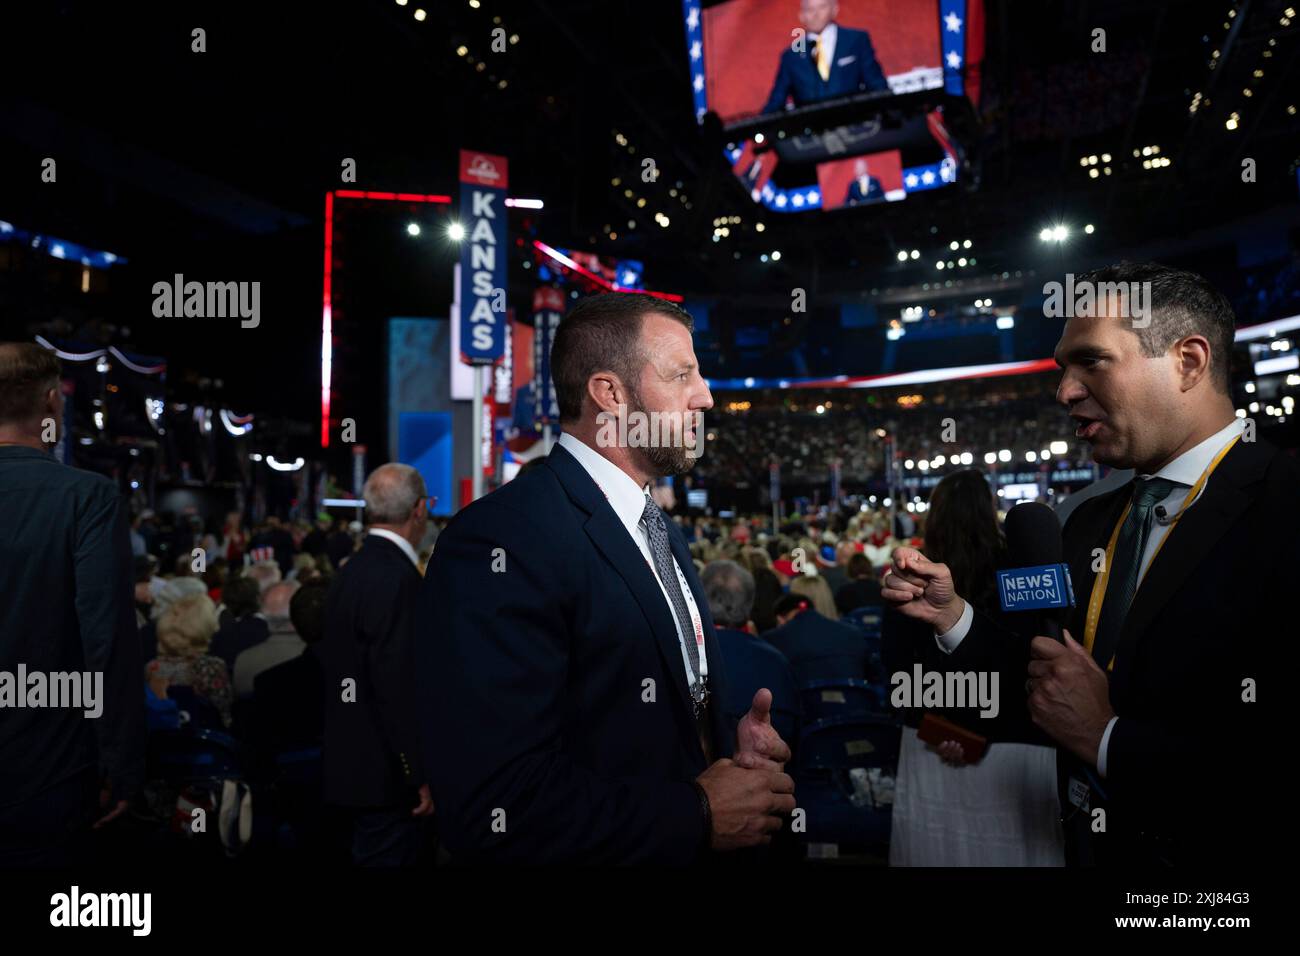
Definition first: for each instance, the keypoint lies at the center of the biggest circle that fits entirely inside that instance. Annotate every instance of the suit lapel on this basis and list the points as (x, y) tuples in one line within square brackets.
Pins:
[(1186, 546), (611, 539)]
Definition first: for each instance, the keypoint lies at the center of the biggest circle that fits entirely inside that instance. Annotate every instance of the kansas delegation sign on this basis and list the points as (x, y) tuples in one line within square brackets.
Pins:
[(483, 257)]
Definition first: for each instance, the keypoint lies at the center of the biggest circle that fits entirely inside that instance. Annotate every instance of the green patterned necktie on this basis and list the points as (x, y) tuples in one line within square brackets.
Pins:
[(1126, 564)]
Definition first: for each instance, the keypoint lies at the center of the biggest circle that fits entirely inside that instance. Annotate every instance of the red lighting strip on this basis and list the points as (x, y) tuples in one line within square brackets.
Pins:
[(326, 326), (391, 197)]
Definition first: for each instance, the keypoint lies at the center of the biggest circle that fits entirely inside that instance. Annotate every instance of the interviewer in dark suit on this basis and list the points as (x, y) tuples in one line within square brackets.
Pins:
[(832, 61), (372, 764), (1164, 756), (67, 608), (557, 622)]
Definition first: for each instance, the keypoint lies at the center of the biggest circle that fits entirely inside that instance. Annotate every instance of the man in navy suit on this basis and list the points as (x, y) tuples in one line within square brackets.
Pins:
[(752, 662), (865, 187), (572, 679), (67, 617), (816, 647), (371, 750), (833, 61)]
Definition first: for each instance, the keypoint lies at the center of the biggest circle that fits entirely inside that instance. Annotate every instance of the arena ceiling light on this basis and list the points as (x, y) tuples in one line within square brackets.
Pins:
[(455, 232), (1057, 233)]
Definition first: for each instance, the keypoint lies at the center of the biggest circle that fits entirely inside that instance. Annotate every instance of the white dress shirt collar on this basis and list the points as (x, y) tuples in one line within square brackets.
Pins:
[(827, 36), (401, 542), (1188, 467), (622, 492)]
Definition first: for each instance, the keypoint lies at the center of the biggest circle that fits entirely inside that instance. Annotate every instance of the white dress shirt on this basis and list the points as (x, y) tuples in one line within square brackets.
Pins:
[(401, 542), (1185, 470), (628, 502)]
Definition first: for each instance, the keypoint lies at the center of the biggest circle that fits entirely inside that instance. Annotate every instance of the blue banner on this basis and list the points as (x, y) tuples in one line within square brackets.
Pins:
[(548, 306), (483, 258)]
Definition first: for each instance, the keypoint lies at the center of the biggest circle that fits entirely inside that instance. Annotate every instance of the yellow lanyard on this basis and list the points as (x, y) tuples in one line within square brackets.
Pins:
[(1099, 589)]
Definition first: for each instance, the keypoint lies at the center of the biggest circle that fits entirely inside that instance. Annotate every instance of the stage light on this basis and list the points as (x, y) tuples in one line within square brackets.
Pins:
[(902, 255), (1004, 454), (776, 255), (990, 457), (462, 50), (284, 465), (763, 257), (821, 409), (1060, 234), (1031, 456), (1250, 387), (966, 244), (961, 261), (1089, 229), (1059, 447), (1232, 121), (1006, 322), (967, 458), (909, 464), (939, 460), (953, 245), (758, 138), (475, 4), (923, 465), (455, 232), (916, 253), (1045, 454), (759, 227), (514, 38), (529, 203), (420, 15), (412, 228), (1045, 234), (939, 264), (401, 3)]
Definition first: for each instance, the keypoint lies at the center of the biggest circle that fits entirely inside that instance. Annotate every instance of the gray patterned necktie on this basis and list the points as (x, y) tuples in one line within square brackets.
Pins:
[(663, 559)]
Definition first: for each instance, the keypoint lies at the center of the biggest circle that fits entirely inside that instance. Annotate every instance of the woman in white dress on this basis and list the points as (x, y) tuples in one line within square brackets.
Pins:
[(1002, 810)]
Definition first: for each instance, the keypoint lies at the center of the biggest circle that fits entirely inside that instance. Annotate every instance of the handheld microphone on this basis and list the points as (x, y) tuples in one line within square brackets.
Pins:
[(1040, 581)]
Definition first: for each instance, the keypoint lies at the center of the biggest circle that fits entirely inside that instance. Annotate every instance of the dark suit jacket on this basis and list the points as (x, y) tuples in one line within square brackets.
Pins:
[(861, 592), (854, 69), (68, 605), (287, 705), (874, 191), (753, 663), (535, 682), (1189, 763), (371, 749), (820, 649), (237, 636)]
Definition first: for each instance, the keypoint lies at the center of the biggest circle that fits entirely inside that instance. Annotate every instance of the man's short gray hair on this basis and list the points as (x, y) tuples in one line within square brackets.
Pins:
[(729, 589), (391, 492)]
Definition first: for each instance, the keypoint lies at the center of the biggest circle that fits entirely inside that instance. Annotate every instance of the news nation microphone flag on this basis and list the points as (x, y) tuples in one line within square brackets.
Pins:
[(1034, 589), (548, 306), (483, 182)]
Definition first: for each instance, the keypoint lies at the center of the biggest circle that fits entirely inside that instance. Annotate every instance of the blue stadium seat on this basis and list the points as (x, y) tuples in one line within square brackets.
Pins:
[(868, 619), (853, 815), (840, 698)]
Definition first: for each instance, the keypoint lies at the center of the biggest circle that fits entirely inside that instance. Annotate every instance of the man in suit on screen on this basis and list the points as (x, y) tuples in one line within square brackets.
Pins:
[(1179, 576), (831, 61), (572, 682)]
